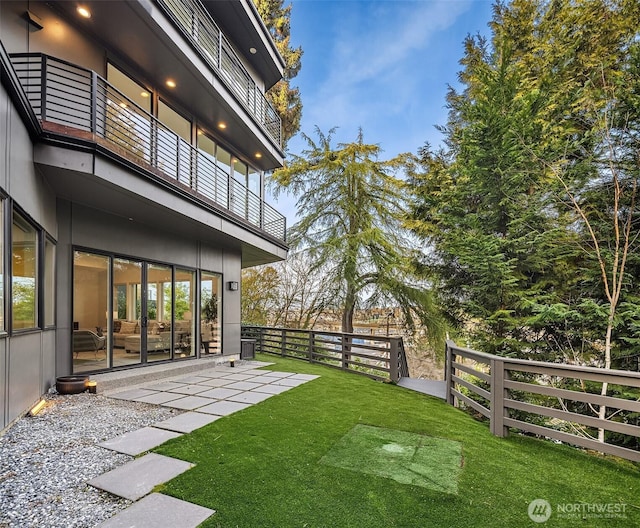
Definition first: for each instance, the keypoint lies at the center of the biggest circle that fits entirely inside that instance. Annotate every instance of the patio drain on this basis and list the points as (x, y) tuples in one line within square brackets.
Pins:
[(407, 458)]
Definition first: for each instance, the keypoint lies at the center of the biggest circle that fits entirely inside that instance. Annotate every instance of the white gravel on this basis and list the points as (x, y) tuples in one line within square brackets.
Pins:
[(46, 460)]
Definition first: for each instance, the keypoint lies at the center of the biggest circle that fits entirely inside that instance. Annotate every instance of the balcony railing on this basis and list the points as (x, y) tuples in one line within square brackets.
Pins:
[(72, 101), (201, 30), (378, 357)]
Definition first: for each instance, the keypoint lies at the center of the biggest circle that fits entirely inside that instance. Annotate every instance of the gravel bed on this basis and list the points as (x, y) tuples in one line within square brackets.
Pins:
[(46, 460)]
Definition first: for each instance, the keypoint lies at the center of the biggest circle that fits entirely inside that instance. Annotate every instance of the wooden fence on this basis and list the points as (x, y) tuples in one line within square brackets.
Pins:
[(377, 357), (553, 400)]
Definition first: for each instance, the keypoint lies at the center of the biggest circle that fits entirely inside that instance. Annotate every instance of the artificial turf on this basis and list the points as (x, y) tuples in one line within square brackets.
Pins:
[(263, 466)]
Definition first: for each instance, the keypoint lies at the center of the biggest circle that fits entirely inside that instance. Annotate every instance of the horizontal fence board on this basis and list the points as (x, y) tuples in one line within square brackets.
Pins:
[(366, 365), (568, 438), (566, 394), (470, 370), (568, 416), (471, 403), (605, 376), (473, 388)]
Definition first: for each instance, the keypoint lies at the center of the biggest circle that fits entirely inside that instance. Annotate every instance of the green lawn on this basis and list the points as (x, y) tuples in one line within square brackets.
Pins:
[(261, 467)]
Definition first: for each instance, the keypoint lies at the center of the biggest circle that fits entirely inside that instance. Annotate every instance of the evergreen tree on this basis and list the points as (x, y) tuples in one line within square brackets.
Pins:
[(350, 206), (507, 251), (284, 98)]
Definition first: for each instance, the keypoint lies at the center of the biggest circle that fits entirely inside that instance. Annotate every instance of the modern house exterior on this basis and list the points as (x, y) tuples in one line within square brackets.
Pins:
[(134, 139)]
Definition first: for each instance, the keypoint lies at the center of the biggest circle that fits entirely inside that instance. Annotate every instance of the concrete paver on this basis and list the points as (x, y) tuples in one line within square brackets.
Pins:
[(220, 393), (250, 397), (238, 377), (189, 389), (187, 422), (137, 478), (288, 382), (276, 374), (160, 397), (160, 510), (223, 407), (217, 382), (188, 403), (139, 441), (132, 394), (165, 385), (272, 389), (243, 385)]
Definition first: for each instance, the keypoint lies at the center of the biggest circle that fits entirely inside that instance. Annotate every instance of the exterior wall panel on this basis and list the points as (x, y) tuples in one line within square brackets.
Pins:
[(25, 373), (26, 367)]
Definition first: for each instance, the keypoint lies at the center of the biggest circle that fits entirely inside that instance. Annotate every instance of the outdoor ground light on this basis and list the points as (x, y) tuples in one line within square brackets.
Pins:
[(92, 386), (37, 407), (232, 362)]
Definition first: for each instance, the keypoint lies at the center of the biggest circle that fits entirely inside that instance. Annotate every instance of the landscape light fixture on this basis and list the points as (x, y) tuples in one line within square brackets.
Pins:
[(233, 285), (37, 407)]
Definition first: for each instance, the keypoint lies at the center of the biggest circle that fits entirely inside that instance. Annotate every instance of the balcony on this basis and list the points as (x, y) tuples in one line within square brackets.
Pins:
[(200, 29), (79, 105)]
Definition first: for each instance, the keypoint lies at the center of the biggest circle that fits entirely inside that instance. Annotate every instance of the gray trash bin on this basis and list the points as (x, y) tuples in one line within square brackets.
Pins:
[(247, 348)]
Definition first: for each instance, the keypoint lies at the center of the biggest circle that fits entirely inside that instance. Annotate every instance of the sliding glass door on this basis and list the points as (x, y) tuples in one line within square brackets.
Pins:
[(90, 334), (159, 312), (129, 312), (128, 330)]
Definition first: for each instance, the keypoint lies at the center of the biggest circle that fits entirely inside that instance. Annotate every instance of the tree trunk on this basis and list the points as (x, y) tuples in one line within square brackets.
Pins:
[(347, 313), (602, 414)]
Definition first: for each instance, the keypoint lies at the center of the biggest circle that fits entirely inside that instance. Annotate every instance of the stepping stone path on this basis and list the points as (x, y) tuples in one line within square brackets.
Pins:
[(207, 397)]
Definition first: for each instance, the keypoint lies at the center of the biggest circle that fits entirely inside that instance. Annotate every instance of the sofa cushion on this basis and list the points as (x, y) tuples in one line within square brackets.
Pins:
[(128, 327)]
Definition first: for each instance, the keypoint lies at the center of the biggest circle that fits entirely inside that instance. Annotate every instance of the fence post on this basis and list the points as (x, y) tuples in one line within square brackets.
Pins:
[(346, 348), (311, 345), (497, 398), (394, 359), (283, 342), (448, 372)]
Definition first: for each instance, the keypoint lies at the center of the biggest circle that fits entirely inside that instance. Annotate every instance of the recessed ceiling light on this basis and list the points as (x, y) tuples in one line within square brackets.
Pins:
[(171, 83), (258, 155), (253, 50), (84, 12), (144, 94), (222, 125)]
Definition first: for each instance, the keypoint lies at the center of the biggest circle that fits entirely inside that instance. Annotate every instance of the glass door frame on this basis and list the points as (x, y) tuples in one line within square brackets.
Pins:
[(144, 305)]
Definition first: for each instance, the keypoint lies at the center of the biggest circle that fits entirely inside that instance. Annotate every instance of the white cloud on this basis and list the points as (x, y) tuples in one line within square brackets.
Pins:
[(376, 58)]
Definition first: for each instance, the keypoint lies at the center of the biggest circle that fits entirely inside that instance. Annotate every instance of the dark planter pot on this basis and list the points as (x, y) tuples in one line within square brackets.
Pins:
[(71, 384)]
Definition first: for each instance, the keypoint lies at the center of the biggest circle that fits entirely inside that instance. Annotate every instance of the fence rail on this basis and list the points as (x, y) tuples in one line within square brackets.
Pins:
[(377, 357), (73, 101), (553, 400)]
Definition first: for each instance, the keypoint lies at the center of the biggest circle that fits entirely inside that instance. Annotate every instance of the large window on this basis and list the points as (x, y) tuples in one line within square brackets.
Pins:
[(24, 278)]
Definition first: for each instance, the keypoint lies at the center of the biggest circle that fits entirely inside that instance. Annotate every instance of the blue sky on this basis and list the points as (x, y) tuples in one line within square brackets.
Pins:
[(380, 65)]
